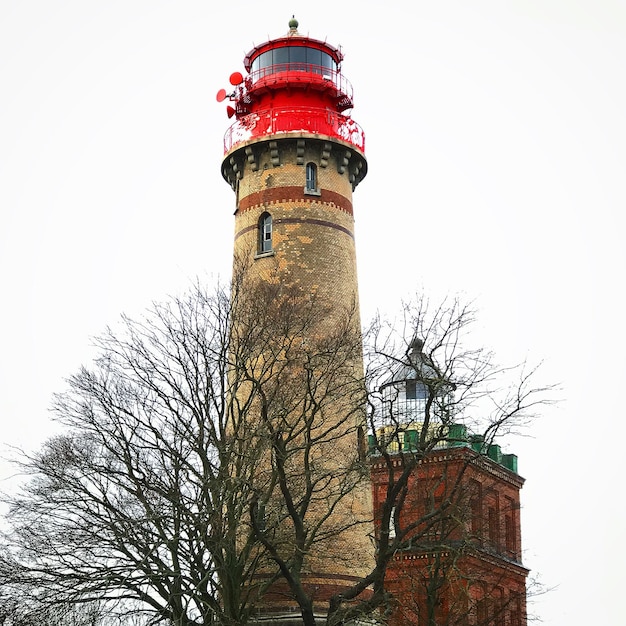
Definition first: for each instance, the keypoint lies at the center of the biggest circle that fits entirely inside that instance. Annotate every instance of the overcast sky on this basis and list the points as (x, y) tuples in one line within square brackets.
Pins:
[(496, 142)]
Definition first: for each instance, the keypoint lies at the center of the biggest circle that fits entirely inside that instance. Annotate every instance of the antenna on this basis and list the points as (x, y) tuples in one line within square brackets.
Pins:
[(236, 78)]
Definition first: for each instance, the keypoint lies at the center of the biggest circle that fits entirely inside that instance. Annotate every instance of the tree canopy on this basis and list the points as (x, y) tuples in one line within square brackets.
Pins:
[(213, 450)]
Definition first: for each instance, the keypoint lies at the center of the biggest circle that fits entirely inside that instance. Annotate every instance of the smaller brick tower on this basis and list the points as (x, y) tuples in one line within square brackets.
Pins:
[(462, 563), (293, 158), (464, 572)]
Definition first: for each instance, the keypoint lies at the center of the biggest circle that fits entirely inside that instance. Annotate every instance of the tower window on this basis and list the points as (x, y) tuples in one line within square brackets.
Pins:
[(510, 526), (475, 509), (492, 518), (509, 534), (265, 233), (311, 178)]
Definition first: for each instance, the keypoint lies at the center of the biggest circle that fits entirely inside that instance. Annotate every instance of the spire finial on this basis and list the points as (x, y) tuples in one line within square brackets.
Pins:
[(293, 24)]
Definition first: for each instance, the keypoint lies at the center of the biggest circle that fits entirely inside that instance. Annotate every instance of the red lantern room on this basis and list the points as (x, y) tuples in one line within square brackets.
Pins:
[(294, 84)]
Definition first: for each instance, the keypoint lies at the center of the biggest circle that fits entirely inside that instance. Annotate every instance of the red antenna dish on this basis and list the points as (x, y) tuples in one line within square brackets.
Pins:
[(230, 111), (221, 95), (236, 78)]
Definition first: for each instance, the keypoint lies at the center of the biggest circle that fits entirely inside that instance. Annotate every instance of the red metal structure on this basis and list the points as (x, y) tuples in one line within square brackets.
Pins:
[(294, 83)]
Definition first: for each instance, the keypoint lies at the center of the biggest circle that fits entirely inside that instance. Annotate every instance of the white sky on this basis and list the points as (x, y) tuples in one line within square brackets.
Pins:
[(496, 139)]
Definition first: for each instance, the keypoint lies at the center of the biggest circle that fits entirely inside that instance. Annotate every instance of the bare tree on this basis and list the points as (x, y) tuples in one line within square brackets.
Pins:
[(142, 495), (20, 610), (212, 453), (203, 460)]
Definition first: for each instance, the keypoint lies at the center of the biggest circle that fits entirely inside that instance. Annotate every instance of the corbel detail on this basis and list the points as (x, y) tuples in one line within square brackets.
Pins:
[(355, 177), (274, 155), (251, 157), (343, 160), (236, 167), (326, 148), (300, 144)]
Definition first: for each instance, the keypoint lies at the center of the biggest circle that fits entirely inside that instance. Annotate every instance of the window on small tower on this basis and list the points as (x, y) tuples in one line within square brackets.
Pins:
[(492, 520), (265, 233)]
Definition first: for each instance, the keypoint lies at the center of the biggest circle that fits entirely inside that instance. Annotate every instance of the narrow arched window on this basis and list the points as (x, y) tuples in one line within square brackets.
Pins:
[(265, 233), (311, 177)]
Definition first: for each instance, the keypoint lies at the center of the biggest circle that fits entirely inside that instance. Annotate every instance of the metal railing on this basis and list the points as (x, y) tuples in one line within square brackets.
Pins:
[(305, 72)]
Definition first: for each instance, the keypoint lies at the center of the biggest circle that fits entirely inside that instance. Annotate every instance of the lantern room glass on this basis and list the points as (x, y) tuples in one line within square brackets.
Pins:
[(292, 58)]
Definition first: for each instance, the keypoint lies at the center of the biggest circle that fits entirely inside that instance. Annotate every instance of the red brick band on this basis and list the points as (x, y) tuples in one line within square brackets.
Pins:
[(293, 194)]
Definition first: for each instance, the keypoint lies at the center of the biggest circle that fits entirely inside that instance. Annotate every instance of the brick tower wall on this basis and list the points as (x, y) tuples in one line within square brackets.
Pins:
[(313, 251), (313, 233)]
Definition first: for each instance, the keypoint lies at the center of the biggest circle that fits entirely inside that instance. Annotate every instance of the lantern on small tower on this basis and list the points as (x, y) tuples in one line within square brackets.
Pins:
[(417, 404)]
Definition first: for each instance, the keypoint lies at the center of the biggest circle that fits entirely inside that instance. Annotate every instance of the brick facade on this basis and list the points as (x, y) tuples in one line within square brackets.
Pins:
[(462, 568), (313, 242), (311, 250)]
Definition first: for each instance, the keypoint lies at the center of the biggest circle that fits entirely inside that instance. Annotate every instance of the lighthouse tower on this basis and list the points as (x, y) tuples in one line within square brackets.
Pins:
[(293, 157)]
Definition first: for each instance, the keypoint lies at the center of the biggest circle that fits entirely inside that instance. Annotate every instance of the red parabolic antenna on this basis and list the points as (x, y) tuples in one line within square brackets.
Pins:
[(221, 95), (230, 111), (236, 78)]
